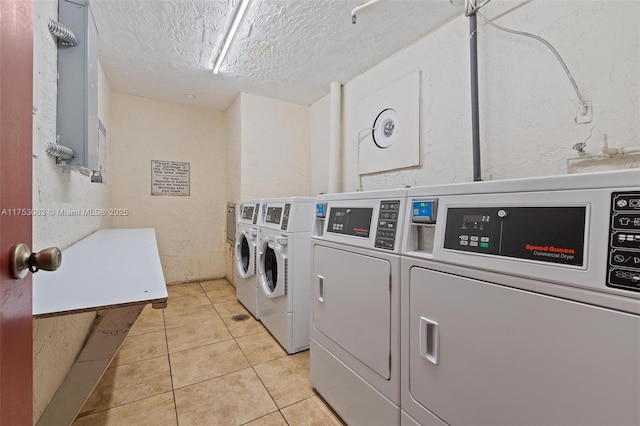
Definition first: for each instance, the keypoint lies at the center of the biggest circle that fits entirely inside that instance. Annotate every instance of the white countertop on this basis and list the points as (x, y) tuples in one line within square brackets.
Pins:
[(109, 268)]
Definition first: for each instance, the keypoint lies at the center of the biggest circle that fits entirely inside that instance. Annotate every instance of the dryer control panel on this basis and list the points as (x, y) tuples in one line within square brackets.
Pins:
[(369, 219), (544, 234), (354, 221), (624, 241), (387, 224)]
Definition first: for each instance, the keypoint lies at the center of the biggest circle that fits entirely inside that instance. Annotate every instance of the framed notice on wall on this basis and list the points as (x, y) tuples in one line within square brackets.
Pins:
[(169, 178)]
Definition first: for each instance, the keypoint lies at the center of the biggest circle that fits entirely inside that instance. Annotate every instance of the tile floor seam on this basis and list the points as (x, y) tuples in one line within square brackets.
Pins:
[(263, 385), (173, 389), (257, 375), (208, 298), (285, 419), (294, 403), (200, 346), (244, 335), (212, 304), (266, 415), (135, 362), (117, 406), (214, 378), (245, 353), (266, 388), (230, 316), (260, 379)]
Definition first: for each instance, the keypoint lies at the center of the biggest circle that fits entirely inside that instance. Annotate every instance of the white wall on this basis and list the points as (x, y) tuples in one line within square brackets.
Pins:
[(190, 229), (527, 103), (267, 153), (274, 148), (234, 176), (56, 341), (233, 119), (319, 150)]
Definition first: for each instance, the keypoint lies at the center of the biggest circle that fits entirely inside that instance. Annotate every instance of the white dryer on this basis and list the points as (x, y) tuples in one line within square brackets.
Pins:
[(355, 319), (283, 269), (246, 254), (521, 302)]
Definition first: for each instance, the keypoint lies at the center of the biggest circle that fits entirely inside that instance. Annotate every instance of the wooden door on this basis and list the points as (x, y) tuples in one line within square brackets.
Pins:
[(16, 99)]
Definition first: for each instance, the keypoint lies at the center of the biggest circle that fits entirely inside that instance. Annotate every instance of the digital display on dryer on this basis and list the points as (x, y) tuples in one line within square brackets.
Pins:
[(273, 215), (247, 212), (350, 221)]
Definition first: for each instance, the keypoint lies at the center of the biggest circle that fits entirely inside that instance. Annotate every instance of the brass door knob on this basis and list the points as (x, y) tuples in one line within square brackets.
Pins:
[(22, 260)]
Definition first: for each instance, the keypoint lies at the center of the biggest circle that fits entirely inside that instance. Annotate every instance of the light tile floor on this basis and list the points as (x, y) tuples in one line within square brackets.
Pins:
[(192, 364)]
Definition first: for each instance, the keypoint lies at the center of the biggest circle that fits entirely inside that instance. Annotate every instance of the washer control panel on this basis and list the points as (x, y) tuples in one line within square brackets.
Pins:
[(247, 212), (255, 214), (387, 224), (624, 241), (285, 217)]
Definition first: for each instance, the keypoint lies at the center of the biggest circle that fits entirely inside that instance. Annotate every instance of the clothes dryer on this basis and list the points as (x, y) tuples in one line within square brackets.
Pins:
[(283, 269), (245, 256), (521, 302), (355, 321)]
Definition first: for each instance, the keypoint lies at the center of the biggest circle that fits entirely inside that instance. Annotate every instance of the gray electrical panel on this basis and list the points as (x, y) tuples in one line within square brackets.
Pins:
[(78, 86), (231, 222)]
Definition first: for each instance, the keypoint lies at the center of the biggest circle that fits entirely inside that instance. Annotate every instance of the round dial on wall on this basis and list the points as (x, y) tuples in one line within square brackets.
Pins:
[(385, 128)]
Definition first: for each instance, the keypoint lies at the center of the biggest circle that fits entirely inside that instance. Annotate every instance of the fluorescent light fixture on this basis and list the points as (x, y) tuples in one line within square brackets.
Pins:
[(238, 12)]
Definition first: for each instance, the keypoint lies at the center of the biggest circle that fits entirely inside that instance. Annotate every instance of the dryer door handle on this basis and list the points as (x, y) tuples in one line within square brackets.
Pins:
[(320, 289), (429, 340)]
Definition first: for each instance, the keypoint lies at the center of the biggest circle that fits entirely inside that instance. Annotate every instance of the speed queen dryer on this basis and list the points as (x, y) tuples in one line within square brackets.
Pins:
[(521, 302), (245, 256), (355, 321), (283, 270)]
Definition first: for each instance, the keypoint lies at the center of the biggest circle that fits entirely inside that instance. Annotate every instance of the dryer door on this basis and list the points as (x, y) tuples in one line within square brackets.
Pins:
[(483, 354), (245, 254), (352, 304), (273, 266)]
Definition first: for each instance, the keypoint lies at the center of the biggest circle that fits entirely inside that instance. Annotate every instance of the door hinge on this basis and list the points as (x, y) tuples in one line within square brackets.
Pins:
[(389, 362), (389, 283)]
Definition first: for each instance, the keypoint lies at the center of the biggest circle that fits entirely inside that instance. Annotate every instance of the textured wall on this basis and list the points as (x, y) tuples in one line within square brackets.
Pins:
[(319, 141), (267, 152), (527, 103), (56, 341), (234, 142), (274, 148), (190, 229)]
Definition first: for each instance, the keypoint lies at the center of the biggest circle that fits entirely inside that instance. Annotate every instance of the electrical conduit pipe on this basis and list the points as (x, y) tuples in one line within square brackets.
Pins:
[(605, 151)]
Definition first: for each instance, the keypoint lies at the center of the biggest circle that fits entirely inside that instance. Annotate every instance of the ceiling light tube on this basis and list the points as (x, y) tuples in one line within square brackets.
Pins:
[(236, 17), (359, 8)]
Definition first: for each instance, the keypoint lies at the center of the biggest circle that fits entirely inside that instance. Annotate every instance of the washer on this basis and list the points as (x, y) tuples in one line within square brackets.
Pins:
[(283, 269), (245, 256), (355, 321), (521, 302)]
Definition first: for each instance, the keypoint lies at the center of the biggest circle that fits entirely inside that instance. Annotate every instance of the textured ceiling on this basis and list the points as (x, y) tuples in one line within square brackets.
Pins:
[(285, 49)]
